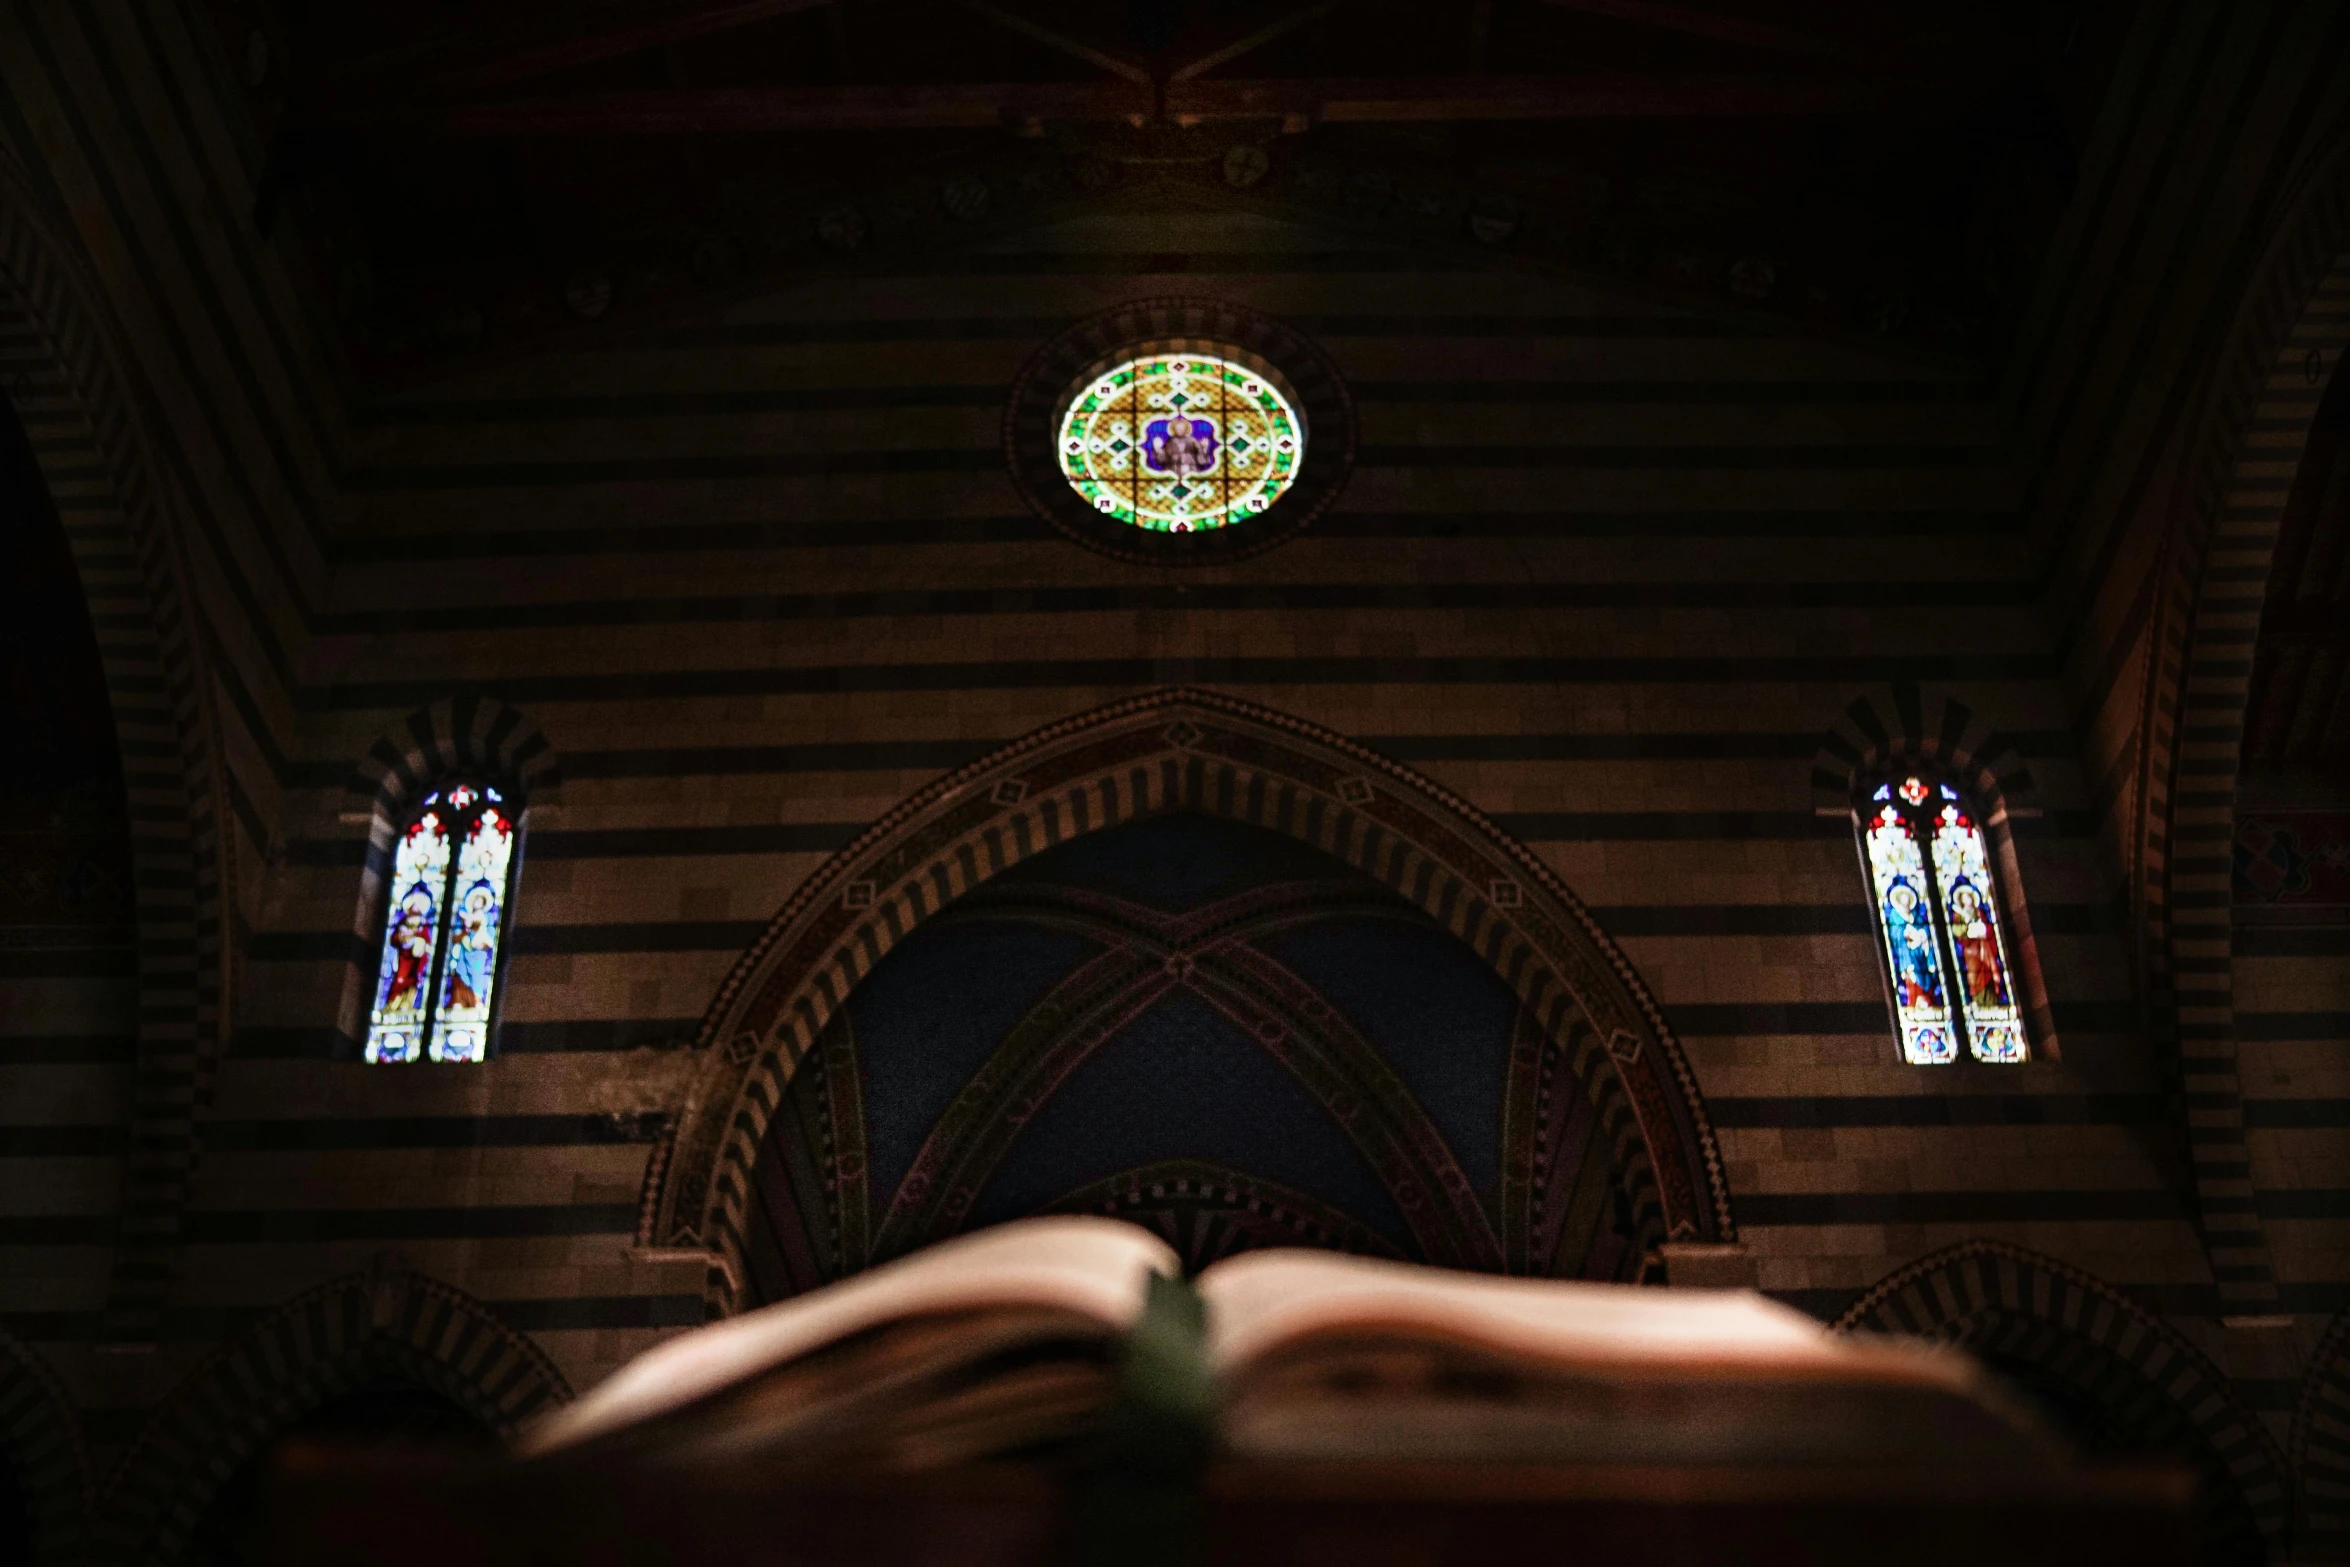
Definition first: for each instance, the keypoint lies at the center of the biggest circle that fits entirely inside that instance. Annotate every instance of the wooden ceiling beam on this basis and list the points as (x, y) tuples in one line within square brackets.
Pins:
[(1297, 101)]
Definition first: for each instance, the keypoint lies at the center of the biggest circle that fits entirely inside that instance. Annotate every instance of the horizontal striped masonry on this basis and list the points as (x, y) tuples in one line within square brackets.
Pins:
[(917, 533), (701, 766), (1606, 574)]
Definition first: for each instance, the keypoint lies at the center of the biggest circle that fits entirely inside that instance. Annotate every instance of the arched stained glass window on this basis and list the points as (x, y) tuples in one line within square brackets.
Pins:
[(1180, 442), (1938, 924), (444, 916)]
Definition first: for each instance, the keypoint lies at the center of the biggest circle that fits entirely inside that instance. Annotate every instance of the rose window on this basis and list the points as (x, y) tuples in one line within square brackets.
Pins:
[(1180, 442)]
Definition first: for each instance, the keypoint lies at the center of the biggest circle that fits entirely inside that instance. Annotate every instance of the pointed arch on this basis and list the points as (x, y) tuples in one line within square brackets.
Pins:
[(1171, 750), (2015, 1306), (327, 1341), (69, 378), (2195, 739), (41, 1440), (467, 736), (2203, 602)]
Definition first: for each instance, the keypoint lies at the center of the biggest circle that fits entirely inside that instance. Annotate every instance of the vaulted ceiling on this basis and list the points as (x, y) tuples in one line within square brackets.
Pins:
[(1218, 1033), (465, 180)]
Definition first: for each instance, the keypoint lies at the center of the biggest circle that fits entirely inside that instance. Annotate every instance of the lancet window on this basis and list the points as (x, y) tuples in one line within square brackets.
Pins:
[(444, 920), (1938, 923)]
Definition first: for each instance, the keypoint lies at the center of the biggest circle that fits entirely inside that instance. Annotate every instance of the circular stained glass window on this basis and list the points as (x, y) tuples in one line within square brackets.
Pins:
[(1179, 431), (1181, 442)]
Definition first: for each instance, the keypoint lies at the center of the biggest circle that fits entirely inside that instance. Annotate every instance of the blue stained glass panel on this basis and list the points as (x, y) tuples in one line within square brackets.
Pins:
[(412, 930), (1921, 1004), (470, 972), (1970, 911)]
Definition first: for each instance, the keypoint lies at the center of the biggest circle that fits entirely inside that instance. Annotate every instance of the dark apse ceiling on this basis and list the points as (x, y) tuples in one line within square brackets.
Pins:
[(1209, 1029), (469, 180)]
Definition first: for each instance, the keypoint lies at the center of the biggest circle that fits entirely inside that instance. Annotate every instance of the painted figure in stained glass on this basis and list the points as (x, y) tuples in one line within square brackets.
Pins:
[(1912, 954), (442, 924), (1978, 949), (1938, 911), (1962, 865), (411, 930), (462, 1027), (1180, 442), (1179, 446)]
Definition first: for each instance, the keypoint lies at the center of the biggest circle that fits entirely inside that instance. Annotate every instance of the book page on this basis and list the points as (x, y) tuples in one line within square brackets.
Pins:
[(1265, 1303), (1094, 1268)]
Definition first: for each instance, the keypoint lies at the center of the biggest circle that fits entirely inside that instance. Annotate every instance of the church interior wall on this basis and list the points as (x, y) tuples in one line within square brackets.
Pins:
[(1609, 567)]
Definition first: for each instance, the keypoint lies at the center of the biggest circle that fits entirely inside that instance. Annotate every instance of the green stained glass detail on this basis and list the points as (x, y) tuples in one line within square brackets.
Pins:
[(1180, 442)]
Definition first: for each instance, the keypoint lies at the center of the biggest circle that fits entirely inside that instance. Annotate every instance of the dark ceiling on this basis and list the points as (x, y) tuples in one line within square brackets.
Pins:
[(467, 179)]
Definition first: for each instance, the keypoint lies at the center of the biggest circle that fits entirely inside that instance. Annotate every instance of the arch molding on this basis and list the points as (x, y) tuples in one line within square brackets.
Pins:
[(1174, 750), (322, 1343), (2005, 1301)]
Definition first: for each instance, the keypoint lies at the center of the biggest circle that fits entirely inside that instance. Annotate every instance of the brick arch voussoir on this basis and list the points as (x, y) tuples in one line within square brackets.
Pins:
[(41, 1442), (2321, 1447), (1993, 1297), (64, 369), (1169, 750), (327, 1341), (1910, 724), (464, 734)]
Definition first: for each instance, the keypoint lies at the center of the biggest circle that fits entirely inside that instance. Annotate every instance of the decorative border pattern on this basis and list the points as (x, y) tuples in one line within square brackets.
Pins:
[(65, 372), (1908, 725), (41, 1441), (1990, 1296), (322, 1343), (1032, 425), (2321, 1447), (471, 735), (1174, 750)]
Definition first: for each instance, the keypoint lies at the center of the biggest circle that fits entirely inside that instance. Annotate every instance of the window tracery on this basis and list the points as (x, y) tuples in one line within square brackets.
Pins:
[(1180, 442), (444, 920), (1939, 926)]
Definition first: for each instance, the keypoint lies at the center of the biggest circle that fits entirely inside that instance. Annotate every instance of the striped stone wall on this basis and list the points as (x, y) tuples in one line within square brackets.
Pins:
[(1610, 572), (1617, 574)]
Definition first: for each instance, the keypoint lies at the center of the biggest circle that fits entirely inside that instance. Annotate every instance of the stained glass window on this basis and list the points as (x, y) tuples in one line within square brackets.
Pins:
[(1938, 917), (1181, 442), (444, 915)]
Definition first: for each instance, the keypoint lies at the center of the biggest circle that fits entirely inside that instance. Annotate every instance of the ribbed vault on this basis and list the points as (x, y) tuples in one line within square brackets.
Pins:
[(1210, 1029)]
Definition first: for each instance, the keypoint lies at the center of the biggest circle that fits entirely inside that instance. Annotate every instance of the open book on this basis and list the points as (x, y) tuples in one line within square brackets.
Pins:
[(1016, 1339)]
